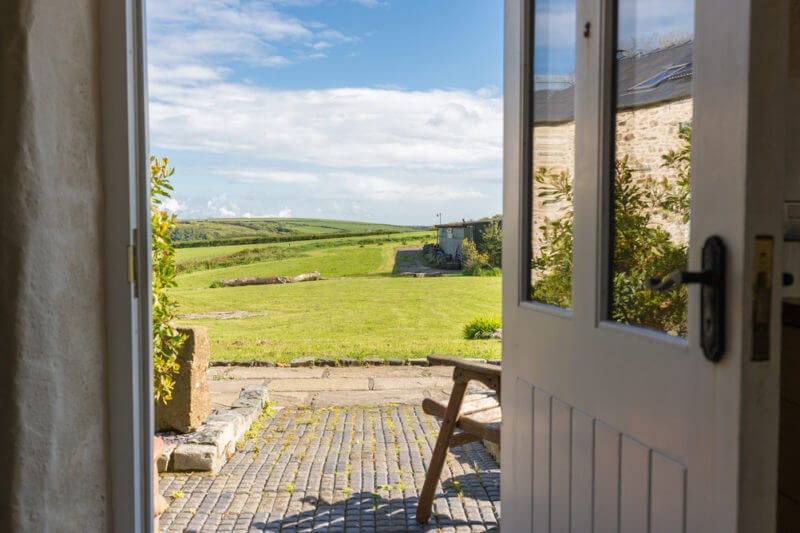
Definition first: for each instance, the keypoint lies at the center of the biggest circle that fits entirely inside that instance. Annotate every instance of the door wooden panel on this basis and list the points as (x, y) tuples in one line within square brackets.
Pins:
[(634, 482), (606, 478), (668, 493), (589, 477), (541, 460), (582, 471), (560, 466), (523, 420)]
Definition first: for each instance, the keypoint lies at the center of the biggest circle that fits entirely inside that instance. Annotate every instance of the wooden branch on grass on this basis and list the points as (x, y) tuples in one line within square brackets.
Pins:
[(272, 280)]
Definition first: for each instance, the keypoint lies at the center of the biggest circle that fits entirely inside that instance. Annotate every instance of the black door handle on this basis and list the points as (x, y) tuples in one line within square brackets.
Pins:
[(678, 277), (712, 279)]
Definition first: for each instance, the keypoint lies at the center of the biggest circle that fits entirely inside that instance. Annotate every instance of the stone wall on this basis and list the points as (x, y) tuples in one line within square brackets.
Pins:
[(644, 134), (53, 449)]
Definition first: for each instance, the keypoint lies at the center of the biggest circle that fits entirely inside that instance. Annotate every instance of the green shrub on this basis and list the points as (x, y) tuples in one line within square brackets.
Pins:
[(473, 261), (483, 272), (482, 327), (492, 243), (167, 340)]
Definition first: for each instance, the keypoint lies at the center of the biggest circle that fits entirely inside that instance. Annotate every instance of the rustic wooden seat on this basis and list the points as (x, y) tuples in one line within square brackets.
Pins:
[(477, 417)]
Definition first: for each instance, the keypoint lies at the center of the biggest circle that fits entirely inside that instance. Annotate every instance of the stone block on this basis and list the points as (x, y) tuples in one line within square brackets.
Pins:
[(254, 392), (396, 362), (419, 361), (326, 361), (249, 414), (164, 459), (202, 457), (191, 399), (496, 362), (349, 361), (493, 449), (373, 361), (246, 402), (302, 361)]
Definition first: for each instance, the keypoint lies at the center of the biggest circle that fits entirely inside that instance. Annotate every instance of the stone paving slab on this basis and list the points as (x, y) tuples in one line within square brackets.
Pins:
[(337, 469), (331, 387), (237, 372), (310, 384), (436, 382), (391, 371)]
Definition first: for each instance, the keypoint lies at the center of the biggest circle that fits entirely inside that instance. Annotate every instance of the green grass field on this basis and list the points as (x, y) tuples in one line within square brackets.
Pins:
[(359, 310), (412, 238), (233, 228)]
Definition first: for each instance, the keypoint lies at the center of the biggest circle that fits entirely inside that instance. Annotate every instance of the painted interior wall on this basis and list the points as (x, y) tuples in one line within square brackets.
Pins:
[(793, 106), (54, 472)]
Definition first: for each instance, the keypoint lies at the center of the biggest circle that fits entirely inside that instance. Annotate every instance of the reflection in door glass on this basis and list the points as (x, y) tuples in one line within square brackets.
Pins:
[(553, 161), (653, 128)]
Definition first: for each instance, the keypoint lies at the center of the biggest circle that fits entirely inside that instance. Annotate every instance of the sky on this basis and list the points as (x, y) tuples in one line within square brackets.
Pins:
[(374, 110)]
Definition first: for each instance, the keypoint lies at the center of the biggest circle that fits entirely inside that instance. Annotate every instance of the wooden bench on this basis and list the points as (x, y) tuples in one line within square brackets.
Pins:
[(477, 417)]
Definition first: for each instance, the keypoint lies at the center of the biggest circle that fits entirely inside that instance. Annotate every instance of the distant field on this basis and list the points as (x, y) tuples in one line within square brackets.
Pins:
[(242, 228), (361, 310), (207, 252)]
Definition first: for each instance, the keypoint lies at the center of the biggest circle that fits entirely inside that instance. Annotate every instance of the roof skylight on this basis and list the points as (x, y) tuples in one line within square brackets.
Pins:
[(669, 73)]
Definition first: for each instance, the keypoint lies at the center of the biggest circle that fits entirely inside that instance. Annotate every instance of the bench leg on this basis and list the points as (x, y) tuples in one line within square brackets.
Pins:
[(425, 502)]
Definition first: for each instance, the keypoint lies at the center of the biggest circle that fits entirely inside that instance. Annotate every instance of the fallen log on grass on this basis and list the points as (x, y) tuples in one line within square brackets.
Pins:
[(272, 280)]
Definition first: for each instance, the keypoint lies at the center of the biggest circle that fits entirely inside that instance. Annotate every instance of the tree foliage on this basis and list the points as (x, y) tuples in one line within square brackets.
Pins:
[(642, 246), (492, 243), (475, 263), (166, 338)]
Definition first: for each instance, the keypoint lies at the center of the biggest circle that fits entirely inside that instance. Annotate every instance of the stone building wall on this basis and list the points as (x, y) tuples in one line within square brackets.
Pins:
[(644, 134), (54, 473)]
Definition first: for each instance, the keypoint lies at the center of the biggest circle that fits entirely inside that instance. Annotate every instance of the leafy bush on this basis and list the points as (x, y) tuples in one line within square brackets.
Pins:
[(485, 272), (473, 261), (492, 243), (641, 246), (482, 327), (166, 338)]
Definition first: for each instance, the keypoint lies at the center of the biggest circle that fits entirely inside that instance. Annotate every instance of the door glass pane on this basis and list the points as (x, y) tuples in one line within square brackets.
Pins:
[(651, 165), (553, 152)]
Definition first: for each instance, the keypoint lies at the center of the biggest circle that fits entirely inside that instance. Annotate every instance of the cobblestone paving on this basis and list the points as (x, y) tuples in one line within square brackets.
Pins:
[(337, 469)]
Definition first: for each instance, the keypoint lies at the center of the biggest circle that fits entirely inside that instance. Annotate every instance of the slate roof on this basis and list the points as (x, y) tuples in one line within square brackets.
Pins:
[(466, 223), (553, 106)]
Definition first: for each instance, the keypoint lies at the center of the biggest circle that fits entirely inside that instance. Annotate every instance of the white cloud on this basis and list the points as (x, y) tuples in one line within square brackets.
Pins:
[(269, 176), (220, 206), (354, 152), (361, 127), (171, 205), (372, 3), (380, 188), (187, 34)]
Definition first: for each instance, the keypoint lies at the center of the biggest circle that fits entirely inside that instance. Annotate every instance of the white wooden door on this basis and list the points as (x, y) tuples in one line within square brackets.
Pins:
[(614, 420)]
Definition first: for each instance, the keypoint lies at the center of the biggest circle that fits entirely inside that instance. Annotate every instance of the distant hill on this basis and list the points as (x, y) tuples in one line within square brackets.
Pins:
[(220, 231)]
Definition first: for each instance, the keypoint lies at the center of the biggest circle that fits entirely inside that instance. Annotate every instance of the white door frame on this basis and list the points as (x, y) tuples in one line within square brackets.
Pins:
[(760, 26), (126, 224), (741, 50)]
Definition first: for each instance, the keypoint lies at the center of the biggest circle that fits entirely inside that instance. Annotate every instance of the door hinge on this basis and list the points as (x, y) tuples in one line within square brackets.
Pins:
[(133, 276)]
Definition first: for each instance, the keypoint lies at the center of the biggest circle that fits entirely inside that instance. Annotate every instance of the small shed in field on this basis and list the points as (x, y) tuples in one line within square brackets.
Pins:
[(451, 236)]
